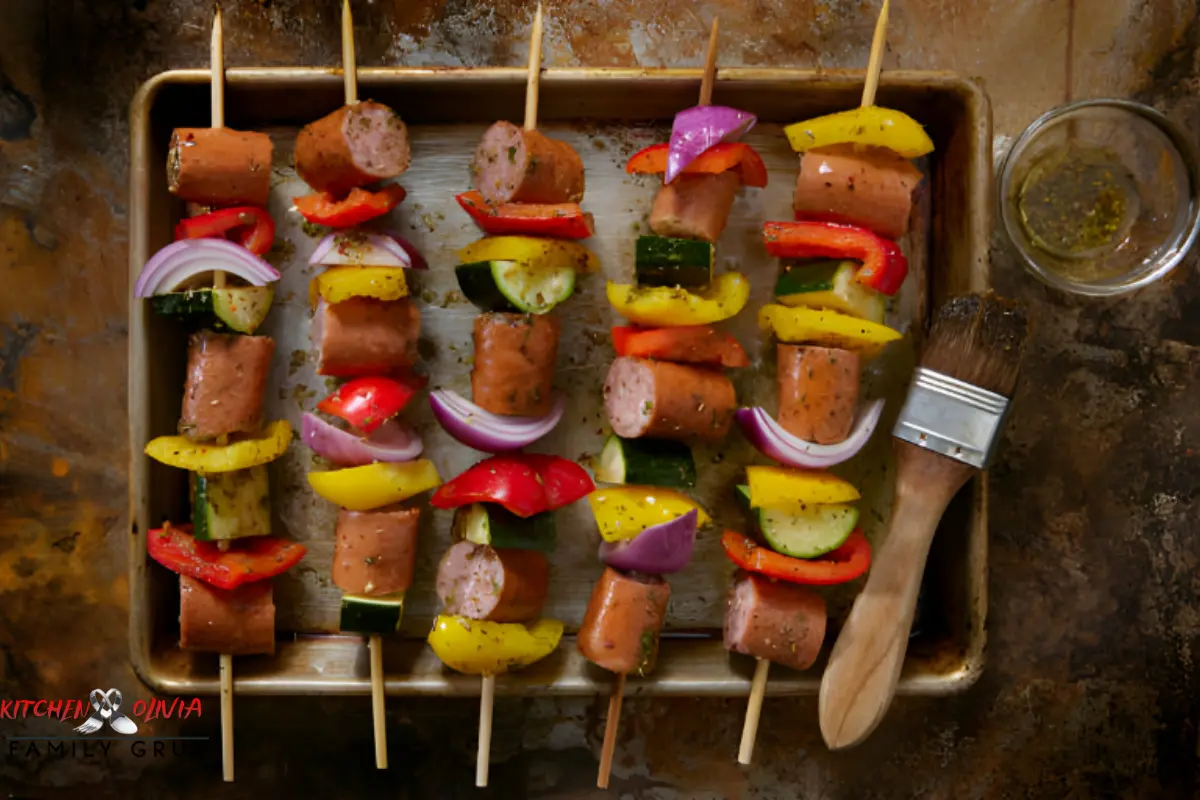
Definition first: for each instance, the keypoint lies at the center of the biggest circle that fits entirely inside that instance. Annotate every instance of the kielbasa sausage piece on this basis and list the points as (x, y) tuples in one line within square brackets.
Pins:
[(818, 391), (513, 373), (780, 622), (668, 401), (375, 551), (355, 145), (480, 582), (219, 166), (624, 618), (871, 187), (237, 621), (512, 165), (694, 206), (364, 336), (226, 378)]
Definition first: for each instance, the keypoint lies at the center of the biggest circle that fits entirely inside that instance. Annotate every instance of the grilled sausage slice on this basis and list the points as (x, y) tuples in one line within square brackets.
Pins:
[(624, 618), (355, 145), (871, 187), (237, 621), (818, 391), (667, 401), (364, 336), (480, 582), (375, 551), (226, 378), (780, 622), (512, 165), (694, 206), (219, 166), (513, 371)]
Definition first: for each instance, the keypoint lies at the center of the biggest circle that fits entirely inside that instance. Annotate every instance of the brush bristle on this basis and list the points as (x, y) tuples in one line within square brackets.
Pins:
[(978, 339)]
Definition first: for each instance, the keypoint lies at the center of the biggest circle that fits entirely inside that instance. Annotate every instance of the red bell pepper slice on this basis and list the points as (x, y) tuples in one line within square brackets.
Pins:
[(323, 208), (247, 560), (848, 562), (883, 268), (366, 403), (719, 158), (563, 479), (253, 225), (561, 220), (524, 483), (691, 344)]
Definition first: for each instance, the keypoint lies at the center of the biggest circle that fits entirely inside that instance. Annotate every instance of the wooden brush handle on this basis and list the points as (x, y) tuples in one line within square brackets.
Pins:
[(859, 682)]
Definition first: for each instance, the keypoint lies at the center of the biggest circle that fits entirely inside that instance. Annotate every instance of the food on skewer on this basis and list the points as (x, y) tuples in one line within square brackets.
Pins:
[(853, 197), (624, 617), (358, 144), (479, 581), (645, 397), (513, 165), (513, 371), (219, 166)]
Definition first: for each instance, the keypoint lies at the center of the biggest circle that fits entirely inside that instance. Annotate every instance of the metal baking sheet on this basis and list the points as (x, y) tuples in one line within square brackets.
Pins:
[(606, 115)]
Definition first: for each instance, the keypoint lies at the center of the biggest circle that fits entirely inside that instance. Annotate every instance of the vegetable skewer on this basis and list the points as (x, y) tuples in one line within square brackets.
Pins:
[(488, 686), (616, 698), (758, 684)]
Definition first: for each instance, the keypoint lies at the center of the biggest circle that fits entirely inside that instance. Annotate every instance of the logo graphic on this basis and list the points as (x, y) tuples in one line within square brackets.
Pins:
[(106, 707)]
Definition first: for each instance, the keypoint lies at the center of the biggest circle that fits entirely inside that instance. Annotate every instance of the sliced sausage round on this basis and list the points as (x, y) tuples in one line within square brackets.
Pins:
[(694, 206), (374, 551), (364, 336), (237, 621), (226, 379), (355, 145), (623, 621), (780, 622), (818, 391), (480, 582), (513, 165), (664, 400), (871, 187), (513, 373), (219, 166)]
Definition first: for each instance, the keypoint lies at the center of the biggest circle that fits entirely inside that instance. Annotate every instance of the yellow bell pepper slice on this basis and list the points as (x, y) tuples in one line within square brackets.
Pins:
[(668, 306), (532, 251), (481, 647), (779, 487), (803, 325), (181, 452), (623, 512), (336, 284), (872, 125), (375, 485)]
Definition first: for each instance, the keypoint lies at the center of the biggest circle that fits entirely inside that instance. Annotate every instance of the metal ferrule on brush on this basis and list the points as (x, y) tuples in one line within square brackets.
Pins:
[(952, 417)]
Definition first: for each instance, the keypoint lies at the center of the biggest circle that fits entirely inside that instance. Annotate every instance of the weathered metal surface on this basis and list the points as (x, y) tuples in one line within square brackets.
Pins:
[(1091, 688)]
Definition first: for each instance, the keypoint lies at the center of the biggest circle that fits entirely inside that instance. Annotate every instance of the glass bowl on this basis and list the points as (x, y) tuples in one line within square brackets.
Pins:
[(1100, 196)]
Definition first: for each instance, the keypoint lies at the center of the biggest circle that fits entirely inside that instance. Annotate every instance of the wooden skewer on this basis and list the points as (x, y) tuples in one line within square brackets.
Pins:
[(758, 686), (535, 71), (378, 713), (225, 662), (875, 63), (710, 68), (217, 56), (610, 731), (374, 641), (487, 694), (484, 754), (227, 716), (753, 709), (349, 63)]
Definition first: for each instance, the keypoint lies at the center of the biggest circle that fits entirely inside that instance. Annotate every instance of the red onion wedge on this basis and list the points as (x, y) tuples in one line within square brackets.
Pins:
[(486, 431), (774, 442), (700, 127), (180, 262), (660, 550), (361, 248), (390, 442)]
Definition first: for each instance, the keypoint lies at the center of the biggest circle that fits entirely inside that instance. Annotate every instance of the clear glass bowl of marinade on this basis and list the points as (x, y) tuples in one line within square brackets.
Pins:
[(1100, 197)]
